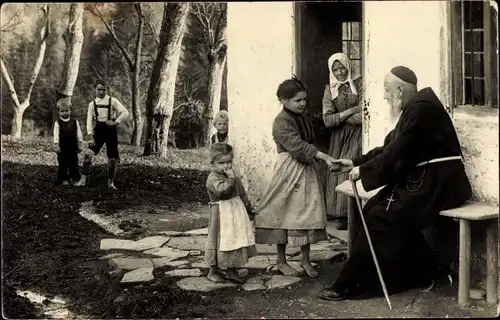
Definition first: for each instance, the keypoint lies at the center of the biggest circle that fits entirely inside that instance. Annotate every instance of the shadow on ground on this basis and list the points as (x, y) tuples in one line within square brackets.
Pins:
[(49, 248)]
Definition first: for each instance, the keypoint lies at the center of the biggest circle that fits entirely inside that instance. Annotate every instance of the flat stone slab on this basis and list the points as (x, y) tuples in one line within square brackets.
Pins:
[(184, 273), (117, 244), (294, 264), (188, 243), (140, 245), (197, 232), (141, 275), (195, 253), (280, 281), (255, 283), (261, 262), (128, 263), (318, 256), (111, 255), (167, 252), (151, 242), (171, 233), (326, 245), (166, 262), (202, 284), (201, 264)]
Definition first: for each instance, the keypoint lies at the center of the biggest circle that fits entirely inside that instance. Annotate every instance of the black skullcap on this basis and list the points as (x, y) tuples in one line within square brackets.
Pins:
[(405, 74)]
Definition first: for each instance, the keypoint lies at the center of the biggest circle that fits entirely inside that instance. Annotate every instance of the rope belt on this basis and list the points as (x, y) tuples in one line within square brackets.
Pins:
[(439, 160)]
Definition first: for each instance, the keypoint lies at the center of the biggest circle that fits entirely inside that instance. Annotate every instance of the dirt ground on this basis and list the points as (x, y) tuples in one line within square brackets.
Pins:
[(49, 248)]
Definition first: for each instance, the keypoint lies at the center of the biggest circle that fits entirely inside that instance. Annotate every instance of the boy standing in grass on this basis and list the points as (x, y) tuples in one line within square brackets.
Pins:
[(68, 142), (108, 113)]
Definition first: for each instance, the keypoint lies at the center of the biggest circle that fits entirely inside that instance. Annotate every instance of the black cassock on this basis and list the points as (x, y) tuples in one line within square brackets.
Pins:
[(423, 132)]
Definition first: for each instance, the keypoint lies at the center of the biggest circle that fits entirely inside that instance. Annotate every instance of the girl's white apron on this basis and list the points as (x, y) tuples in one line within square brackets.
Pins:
[(235, 228)]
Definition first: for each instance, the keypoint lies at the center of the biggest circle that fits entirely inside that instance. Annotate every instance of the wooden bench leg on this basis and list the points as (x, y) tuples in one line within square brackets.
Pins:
[(492, 262), (464, 263), (351, 220)]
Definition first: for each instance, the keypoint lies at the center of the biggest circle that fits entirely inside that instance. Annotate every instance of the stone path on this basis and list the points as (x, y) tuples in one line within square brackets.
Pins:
[(180, 255)]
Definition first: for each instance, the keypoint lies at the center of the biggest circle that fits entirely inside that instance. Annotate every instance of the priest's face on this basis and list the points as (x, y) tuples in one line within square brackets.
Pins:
[(297, 103), (339, 71), (393, 93)]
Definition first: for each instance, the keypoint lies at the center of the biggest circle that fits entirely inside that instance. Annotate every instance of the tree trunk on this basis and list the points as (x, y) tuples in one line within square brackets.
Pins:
[(160, 100), (217, 65), (136, 110), (73, 38), (20, 107), (17, 123)]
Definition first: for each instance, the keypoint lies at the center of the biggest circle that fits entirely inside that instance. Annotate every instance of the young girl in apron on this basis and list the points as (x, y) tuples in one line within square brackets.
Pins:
[(230, 239), (292, 210)]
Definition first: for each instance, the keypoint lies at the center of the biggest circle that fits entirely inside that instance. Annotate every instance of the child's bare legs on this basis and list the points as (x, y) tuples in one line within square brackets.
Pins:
[(213, 274), (282, 265), (232, 274), (305, 261)]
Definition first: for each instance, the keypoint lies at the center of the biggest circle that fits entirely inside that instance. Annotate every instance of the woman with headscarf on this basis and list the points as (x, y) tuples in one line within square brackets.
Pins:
[(342, 115)]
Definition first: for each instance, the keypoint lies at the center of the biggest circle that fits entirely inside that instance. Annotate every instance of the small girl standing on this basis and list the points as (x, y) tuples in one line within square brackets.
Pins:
[(292, 210), (230, 239)]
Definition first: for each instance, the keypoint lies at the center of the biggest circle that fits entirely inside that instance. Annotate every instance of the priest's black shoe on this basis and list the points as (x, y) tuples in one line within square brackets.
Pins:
[(330, 294)]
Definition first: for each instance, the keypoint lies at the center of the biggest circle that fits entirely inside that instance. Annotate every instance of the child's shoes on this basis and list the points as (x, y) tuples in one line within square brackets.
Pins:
[(81, 182)]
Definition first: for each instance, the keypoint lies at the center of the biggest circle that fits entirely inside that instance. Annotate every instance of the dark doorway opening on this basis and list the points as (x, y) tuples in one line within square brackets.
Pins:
[(322, 29)]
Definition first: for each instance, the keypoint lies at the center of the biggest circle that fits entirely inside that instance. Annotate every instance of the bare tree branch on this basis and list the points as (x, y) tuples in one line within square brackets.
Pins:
[(44, 33), (93, 8), (12, 23), (10, 84), (153, 33)]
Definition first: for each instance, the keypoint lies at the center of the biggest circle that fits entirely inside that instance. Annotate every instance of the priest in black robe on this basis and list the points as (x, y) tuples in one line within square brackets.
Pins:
[(420, 165)]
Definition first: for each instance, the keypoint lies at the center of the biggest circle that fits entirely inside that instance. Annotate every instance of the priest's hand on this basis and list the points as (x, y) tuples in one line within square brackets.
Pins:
[(354, 174), (346, 163)]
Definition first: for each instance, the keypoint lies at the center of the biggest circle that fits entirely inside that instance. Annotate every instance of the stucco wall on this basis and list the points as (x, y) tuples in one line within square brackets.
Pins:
[(393, 39), (260, 56), (401, 38), (477, 130)]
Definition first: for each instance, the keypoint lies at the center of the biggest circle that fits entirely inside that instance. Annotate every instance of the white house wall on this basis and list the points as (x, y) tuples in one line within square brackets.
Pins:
[(415, 34), (406, 33), (260, 56), (411, 33)]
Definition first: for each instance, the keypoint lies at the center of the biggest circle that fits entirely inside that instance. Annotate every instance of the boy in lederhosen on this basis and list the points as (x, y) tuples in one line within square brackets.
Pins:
[(68, 142), (108, 113)]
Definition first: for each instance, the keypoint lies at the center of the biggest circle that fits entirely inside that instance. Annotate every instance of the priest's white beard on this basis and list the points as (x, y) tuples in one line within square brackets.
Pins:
[(395, 114)]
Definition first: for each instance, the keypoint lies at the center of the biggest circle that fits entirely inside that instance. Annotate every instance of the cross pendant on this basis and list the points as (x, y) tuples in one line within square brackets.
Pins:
[(390, 199)]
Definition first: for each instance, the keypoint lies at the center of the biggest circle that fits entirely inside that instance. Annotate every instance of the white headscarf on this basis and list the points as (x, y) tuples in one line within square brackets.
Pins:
[(334, 83)]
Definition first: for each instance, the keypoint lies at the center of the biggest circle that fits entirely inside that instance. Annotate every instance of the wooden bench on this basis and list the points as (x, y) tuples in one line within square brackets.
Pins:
[(471, 211)]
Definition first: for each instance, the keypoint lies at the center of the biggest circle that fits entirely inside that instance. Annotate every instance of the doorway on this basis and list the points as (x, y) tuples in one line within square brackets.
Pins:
[(321, 29)]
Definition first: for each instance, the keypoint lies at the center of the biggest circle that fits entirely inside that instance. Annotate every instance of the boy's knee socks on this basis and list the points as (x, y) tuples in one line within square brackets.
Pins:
[(112, 163)]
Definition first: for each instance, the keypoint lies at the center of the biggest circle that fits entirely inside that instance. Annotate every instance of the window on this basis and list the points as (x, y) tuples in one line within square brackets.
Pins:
[(474, 55), (351, 44)]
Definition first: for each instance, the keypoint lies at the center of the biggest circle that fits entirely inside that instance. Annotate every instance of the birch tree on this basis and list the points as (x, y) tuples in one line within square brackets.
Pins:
[(213, 19), (73, 39), (21, 106), (133, 61), (160, 100)]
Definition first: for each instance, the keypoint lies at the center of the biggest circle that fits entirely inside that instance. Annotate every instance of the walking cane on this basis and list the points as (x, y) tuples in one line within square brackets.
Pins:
[(372, 250)]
